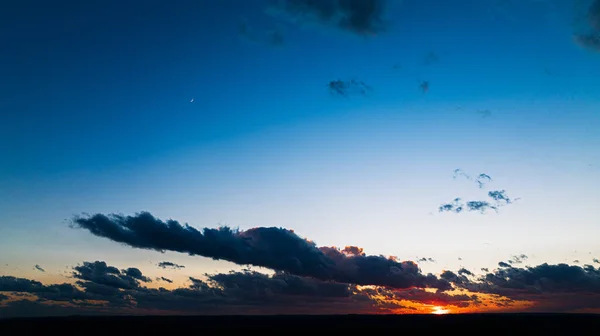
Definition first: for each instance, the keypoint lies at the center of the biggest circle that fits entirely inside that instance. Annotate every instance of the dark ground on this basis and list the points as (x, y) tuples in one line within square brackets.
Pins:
[(573, 324)]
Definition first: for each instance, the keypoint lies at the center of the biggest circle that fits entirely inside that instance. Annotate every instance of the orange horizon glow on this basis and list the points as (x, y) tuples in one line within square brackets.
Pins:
[(437, 310)]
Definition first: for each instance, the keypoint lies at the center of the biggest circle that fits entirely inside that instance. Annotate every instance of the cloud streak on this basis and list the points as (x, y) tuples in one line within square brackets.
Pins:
[(169, 265), (346, 88), (275, 248)]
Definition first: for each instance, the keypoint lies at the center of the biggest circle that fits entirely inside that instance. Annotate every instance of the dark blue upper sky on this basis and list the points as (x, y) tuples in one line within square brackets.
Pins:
[(93, 84)]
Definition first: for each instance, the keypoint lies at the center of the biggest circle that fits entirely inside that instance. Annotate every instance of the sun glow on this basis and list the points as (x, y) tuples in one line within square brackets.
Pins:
[(439, 311)]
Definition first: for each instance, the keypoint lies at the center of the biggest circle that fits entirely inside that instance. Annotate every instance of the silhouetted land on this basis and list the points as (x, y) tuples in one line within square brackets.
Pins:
[(466, 323)]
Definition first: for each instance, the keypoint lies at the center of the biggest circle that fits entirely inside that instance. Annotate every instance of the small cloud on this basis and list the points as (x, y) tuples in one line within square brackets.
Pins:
[(39, 268), (136, 274), (350, 87), (485, 113), (275, 38), (426, 260), (464, 271), (518, 259), (499, 196), (459, 172), (430, 58), (424, 86), (482, 179), (457, 206), (164, 279), (588, 41), (168, 264)]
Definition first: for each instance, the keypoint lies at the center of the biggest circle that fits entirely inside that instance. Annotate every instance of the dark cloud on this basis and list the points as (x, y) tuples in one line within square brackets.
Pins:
[(499, 196), (164, 279), (457, 206), (136, 274), (257, 286), (100, 273), (550, 287), (39, 268), (596, 261), (464, 271), (591, 39), (168, 264), (275, 248), (362, 17), (424, 86), (60, 292), (545, 284), (593, 15), (348, 88), (518, 259), (235, 292)]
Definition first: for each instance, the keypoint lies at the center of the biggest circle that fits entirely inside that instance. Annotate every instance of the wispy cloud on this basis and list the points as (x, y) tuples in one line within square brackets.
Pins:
[(591, 38), (362, 17), (164, 279), (346, 88), (499, 197)]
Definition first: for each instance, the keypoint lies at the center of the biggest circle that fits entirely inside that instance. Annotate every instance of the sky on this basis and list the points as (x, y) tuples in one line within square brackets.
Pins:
[(292, 156)]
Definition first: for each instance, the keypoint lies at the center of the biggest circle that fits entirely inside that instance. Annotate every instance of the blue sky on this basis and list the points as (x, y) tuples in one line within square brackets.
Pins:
[(97, 118)]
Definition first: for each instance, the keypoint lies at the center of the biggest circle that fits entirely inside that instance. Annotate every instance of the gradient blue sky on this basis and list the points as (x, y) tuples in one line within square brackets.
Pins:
[(96, 117)]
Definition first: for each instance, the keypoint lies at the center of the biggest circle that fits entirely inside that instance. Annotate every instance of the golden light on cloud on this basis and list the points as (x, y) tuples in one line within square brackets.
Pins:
[(454, 302)]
